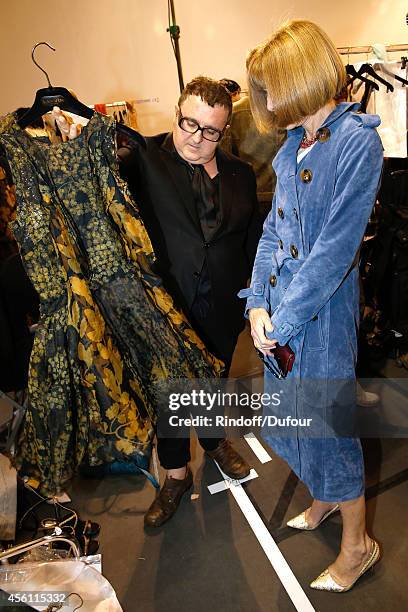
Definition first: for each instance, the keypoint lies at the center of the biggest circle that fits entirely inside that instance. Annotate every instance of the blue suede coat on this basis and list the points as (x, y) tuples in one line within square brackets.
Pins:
[(306, 276)]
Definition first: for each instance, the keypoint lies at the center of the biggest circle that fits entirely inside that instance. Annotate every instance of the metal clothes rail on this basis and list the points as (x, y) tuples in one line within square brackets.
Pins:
[(366, 49)]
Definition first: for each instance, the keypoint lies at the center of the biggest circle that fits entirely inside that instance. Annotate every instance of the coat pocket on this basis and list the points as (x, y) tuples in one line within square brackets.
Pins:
[(316, 332)]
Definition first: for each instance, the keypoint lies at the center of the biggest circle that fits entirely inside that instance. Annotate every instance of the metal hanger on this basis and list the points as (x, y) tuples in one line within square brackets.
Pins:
[(47, 98), (37, 64)]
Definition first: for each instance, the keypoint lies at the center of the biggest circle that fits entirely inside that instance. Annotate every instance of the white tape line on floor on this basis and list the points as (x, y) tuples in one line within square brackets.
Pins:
[(257, 447), (271, 549), (228, 482)]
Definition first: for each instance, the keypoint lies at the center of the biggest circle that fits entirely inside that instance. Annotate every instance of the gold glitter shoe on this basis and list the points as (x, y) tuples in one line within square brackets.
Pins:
[(326, 582), (300, 522)]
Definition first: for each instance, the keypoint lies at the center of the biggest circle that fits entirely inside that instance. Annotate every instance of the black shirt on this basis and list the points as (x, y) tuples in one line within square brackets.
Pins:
[(206, 198)]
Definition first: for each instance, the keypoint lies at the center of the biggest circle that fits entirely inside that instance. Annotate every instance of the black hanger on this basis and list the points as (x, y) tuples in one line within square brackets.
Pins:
[(395, 76), (47, 98), (368, 89), (400, 79), (368, 69), (352, 72)]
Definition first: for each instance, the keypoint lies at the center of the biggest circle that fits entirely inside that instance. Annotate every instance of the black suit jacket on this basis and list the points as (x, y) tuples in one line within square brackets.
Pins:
[(162, 189)]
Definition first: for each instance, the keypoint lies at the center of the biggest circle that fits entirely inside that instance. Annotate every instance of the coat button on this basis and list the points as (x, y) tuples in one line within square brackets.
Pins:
[(296, 213), (280, 243), (293, 251), (323, 134), (306, 175), (272, 280), (196, 274), (206, 245), (281, 213)]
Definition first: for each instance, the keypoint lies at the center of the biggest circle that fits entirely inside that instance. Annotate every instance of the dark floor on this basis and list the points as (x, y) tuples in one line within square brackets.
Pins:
[(207, 557)]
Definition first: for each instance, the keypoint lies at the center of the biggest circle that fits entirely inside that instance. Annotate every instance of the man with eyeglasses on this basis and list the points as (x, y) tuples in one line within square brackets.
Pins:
[(200, 209)]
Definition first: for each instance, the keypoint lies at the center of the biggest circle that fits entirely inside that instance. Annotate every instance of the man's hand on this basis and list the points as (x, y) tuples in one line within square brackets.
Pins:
[(260, 324), (67, 127)]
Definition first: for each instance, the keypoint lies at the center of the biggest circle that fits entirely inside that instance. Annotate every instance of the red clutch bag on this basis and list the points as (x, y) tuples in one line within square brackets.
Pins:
[(283, 357)]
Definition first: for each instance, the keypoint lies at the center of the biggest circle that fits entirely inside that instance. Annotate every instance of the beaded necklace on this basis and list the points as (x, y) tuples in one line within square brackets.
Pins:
[(306, 143)]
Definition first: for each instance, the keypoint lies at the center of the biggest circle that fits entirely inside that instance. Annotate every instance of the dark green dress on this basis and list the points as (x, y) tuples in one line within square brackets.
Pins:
[(108, 331)]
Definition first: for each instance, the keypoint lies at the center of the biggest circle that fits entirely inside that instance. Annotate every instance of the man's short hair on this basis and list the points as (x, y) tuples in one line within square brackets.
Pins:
[(210, 91), (301, 70)]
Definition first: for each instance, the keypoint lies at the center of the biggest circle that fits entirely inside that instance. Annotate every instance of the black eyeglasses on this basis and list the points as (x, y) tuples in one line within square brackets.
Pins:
[(192, 126)]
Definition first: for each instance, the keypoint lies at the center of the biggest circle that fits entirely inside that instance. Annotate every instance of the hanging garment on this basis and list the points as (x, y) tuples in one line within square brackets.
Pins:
[(101, 108), (392, 108), (7, 194), (131, 114), (108, 331)]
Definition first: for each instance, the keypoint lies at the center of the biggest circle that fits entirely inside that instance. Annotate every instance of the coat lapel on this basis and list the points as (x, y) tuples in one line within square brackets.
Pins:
[(227, 178), (180, 180), (182, 183)]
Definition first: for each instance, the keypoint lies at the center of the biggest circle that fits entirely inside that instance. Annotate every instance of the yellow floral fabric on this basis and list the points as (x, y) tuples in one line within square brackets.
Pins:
[(109, 333)]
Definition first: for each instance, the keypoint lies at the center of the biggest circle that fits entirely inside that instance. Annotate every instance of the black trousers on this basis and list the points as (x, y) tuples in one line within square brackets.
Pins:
[(218, 340), (175, 452)]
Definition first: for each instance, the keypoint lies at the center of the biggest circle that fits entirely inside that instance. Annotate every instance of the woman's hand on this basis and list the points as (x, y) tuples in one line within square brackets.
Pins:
[(260, 324), (68, 129)]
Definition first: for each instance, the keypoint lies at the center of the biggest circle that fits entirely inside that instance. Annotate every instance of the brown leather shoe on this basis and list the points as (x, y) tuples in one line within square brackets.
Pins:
[(229, 460), (167, 501)]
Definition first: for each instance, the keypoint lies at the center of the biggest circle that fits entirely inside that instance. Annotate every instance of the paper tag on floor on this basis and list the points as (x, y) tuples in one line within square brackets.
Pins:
[(230, 482)]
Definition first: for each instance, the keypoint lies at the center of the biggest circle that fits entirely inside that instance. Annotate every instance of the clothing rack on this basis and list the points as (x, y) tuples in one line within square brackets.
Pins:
[(368, 48), (124, 103), (112, 104)]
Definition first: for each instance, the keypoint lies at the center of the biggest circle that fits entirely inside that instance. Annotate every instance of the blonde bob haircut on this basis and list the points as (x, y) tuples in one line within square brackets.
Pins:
[(301, 70)]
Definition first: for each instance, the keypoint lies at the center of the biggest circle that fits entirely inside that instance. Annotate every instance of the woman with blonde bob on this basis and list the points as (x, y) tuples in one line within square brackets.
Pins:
[(304, 289)]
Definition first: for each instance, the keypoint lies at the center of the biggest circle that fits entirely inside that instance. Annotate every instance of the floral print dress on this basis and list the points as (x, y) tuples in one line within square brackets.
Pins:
[(108, 332)]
